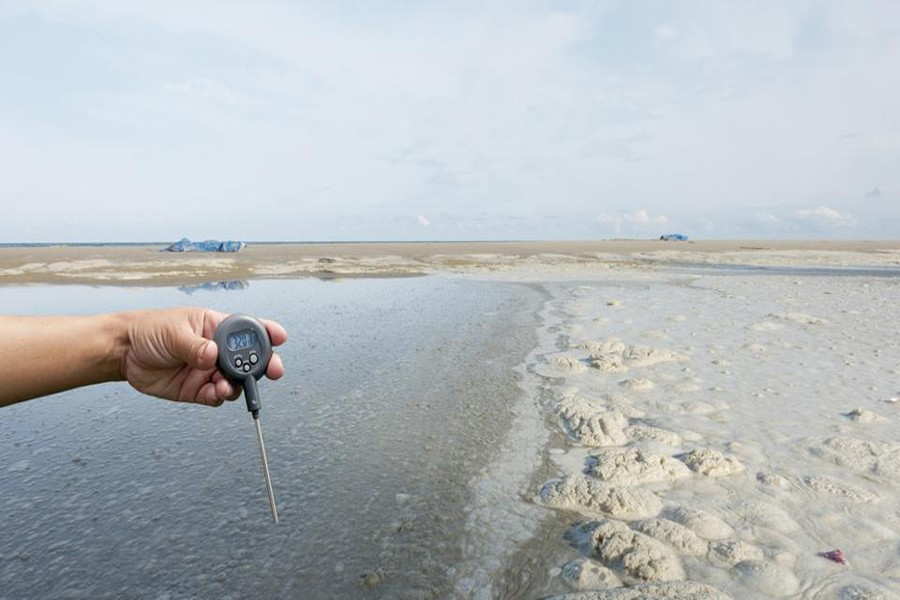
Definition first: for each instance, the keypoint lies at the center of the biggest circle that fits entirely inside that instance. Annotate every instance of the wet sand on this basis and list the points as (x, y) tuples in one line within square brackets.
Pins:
[(148, 265), (685, 431), (719, 433)]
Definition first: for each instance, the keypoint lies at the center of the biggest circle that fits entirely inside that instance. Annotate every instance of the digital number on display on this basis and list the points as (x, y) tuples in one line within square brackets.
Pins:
[(241, 340)]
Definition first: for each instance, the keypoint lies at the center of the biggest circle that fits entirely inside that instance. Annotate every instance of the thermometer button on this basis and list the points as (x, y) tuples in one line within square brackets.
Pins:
[(246, 367), (238, 361), (253, 358)]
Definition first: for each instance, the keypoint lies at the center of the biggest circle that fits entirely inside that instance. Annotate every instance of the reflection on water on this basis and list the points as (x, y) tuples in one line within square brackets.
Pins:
[(215, 286), (795, 271), (396, 395)]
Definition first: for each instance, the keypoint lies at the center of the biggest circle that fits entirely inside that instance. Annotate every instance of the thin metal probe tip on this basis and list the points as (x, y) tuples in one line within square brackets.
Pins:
[(265, 468)]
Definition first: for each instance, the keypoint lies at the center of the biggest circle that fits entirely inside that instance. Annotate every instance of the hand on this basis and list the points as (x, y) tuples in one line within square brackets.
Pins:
[(171, 354)]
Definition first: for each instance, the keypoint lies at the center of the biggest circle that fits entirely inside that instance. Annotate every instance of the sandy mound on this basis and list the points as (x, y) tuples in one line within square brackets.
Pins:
[(590, 423), (637, 384), (678, 536), (577, 492), (860, 455), (644, 356), (705, 525), (861, 415), (825, 486), (593, 423), (647, 433), (767, 578), (637, 556), (614, 356), (734, 551), (567, 364), (608, 363), (608, 346), (773, 479), (633, 466), (711, 463), (763, 514), (675, 590), (624, 406), (586, 574)]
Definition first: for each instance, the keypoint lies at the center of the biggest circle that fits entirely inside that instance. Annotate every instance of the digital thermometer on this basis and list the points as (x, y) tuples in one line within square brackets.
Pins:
[(244, 353)]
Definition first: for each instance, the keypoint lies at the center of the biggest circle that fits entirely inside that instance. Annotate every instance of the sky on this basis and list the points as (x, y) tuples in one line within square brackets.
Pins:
[(399, 120)]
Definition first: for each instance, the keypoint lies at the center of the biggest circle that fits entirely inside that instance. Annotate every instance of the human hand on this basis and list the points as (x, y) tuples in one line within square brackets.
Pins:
[(170, 354)]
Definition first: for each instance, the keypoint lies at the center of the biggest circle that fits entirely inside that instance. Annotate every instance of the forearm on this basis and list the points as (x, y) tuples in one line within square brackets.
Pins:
[(45, 355)]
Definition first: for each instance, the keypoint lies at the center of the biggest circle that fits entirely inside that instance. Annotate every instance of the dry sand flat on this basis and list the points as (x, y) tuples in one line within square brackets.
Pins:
[(147, 265), (778, 393)]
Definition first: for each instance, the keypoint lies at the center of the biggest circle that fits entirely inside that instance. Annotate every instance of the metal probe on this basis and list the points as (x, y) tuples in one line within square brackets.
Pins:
[(265, 468), (244, 353)]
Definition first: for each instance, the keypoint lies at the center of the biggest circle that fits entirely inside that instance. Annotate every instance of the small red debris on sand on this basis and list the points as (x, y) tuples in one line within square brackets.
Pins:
[(835, 555)]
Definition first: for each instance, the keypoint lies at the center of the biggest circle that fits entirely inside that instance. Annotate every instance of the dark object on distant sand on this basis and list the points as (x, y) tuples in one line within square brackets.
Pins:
[(674, 237), (186, 245), (835, 555), (212, 286)]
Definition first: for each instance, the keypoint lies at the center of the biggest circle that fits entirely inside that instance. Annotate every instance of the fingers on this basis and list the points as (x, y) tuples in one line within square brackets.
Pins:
[(208, 395), (195, 350), (220, 389), (215, 392), (275, 370), (226, 390), (212, 318), (209, 353), (277, 333)]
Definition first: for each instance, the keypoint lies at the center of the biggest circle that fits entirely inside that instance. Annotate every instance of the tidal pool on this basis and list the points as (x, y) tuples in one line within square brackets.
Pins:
[(397, 393)]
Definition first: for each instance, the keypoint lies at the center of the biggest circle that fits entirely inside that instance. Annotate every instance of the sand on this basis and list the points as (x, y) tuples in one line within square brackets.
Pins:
[(704, 433), (148, 265), (772, 398)]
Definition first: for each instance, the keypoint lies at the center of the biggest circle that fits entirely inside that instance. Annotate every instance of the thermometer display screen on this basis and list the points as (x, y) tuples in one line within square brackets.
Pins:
[(241, 340)]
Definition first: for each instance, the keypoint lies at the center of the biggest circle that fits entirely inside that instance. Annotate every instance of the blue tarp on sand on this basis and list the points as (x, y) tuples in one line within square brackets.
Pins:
[(186, 245), (674, 237)]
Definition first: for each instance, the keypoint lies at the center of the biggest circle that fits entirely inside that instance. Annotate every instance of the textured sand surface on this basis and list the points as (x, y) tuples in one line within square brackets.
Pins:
[(148, 265), (778, 394)]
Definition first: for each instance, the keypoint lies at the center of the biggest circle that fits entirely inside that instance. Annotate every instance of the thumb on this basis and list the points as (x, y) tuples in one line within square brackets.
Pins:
[(197, 351)]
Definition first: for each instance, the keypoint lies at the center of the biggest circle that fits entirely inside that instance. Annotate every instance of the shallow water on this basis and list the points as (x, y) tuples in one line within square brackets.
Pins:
[(397, 393)]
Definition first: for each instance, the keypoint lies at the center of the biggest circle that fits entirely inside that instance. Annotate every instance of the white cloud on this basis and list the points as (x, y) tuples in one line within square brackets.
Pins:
[(424, 221), (769, 221), (824, 216), (641, 216), (727, 110), (636, 222)]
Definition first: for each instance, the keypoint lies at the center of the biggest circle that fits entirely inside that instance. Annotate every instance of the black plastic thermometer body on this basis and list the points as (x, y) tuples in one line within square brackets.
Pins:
[(244, 353)]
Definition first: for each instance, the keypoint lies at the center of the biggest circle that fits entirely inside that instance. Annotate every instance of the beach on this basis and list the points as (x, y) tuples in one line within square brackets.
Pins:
[(678, 420), (149, 265), (729, 429)]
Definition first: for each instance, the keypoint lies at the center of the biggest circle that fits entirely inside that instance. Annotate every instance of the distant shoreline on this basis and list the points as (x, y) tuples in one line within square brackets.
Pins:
[(146, 265), (781, 243)]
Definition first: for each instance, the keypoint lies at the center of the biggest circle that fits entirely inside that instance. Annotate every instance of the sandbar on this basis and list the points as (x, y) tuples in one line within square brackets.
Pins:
[(150, 265)]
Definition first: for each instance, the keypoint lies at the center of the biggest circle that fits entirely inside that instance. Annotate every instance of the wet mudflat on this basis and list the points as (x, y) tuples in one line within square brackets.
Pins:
[(396, 395)]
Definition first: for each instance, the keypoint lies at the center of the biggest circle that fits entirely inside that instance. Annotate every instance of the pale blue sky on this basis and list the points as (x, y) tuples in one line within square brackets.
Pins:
[(448, 120)]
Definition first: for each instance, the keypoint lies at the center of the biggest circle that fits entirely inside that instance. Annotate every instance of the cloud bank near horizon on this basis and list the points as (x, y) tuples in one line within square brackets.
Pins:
[(129, 120)]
